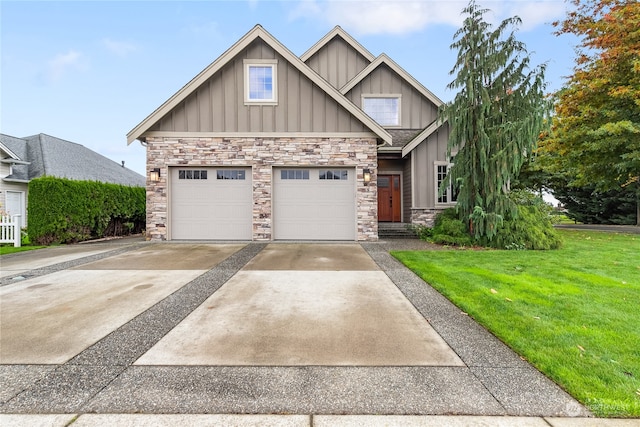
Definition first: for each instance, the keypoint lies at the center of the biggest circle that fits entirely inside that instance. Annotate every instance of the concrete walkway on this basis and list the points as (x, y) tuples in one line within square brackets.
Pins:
[(336, 333)]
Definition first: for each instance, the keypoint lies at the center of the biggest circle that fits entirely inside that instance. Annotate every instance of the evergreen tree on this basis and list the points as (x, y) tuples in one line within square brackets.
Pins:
[(494, 120)]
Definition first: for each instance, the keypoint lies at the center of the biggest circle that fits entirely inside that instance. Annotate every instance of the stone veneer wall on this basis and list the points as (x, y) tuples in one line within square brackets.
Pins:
[(424, 216), (262, 154)]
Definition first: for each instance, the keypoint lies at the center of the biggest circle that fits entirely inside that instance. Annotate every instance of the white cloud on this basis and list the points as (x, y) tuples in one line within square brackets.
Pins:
[(119, 48), (535, 13), (62, 63), (407, 16)]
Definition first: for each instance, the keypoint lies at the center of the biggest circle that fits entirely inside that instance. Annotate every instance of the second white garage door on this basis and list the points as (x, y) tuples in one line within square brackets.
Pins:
[(314, 204), (211, 203)]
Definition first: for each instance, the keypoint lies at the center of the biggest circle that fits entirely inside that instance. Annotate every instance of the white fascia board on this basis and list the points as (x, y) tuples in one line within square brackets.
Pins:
[(14, 161), (19, 181), (9, 152)]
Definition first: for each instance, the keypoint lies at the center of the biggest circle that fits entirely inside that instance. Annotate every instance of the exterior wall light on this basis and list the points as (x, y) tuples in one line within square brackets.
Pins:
[(367, 176), (154, 175)]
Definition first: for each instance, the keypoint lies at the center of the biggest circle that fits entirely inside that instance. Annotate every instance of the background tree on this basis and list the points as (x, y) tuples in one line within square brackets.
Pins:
[(494, 120), (595, 140)]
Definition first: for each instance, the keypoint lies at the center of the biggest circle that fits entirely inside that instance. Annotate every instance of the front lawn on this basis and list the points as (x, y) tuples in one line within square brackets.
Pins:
[(573, 313)]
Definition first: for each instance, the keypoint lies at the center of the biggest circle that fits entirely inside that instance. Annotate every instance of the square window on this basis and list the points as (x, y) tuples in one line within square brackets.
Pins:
[(260, 82), (384, 110)]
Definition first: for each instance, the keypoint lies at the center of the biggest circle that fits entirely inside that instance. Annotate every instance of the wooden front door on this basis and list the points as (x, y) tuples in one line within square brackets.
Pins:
[(389, 198)]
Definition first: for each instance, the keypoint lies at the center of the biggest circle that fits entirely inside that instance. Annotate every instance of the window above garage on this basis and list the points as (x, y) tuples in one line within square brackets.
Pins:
[(384, 109), (260, 81)]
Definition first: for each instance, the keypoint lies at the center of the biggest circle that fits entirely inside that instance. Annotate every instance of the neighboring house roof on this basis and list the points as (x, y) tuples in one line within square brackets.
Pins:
[(257, 32), (45, 155)]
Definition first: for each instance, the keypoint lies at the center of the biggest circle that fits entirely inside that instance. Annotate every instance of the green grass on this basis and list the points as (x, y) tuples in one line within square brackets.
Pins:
[(573, 313), (9, 249)]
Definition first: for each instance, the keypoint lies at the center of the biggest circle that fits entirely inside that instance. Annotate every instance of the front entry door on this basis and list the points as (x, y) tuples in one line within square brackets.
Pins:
[(389, 198)]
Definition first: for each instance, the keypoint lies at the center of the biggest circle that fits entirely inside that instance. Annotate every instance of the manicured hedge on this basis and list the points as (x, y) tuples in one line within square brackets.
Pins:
[(66, 211)]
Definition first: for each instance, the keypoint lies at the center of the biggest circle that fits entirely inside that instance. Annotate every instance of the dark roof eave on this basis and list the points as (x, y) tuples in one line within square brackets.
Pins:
[(20, 181)]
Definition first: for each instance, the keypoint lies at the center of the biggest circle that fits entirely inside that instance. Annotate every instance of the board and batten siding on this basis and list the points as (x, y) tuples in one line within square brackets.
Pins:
[(337, 62), (218, 104), (433, 149), (416, 111)]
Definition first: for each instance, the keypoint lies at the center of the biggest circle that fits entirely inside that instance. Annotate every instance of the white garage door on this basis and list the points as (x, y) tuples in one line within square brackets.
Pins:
[(211, 203), (314, 204)]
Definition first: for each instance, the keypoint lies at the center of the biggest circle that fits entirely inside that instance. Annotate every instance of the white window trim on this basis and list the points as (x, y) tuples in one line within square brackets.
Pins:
[(385, 95), (437, 187), (261, 63)]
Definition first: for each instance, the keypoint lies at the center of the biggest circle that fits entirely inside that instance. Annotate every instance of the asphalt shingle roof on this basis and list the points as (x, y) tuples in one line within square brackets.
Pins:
[(50, 156), (402, 137)]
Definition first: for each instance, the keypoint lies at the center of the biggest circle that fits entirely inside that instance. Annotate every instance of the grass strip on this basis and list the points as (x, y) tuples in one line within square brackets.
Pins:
[(573, 313)]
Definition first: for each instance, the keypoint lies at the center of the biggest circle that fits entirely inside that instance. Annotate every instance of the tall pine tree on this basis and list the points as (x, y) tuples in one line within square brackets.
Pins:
[(494, 120)]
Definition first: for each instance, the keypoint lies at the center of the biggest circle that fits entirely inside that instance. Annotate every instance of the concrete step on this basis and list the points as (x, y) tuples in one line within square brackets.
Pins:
[(395, 230)]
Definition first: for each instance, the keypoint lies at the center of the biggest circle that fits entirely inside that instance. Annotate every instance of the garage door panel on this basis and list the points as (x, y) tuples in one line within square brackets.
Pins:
[(314, 209), (211, 208)]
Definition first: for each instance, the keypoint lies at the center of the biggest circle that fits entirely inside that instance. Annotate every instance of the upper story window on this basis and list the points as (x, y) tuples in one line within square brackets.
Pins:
[(260, 81), (384, 109)]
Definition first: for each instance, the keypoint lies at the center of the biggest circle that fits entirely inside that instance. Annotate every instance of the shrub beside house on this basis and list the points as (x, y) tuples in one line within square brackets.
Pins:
[(32, 161)]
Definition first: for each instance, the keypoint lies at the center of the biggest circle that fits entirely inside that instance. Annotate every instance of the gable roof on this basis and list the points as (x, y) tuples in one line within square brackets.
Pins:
[(14, 147), (46, 155), (337, 31), (384, 59), (257, 32)]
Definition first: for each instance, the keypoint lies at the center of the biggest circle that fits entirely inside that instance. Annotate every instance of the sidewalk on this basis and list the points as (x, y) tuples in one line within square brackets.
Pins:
[(223, 420)]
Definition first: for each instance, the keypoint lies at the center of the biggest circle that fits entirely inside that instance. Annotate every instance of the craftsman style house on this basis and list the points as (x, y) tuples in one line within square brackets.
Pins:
[(266, 145)]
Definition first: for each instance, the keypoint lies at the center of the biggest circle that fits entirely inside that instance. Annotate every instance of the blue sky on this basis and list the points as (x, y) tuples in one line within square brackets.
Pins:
[(90, 71)]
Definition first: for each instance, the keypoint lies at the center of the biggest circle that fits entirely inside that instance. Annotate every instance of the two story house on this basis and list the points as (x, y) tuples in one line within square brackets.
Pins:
[(265, 145)]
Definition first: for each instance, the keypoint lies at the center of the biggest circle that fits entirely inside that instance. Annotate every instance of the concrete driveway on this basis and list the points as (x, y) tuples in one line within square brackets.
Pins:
[(254, 328)]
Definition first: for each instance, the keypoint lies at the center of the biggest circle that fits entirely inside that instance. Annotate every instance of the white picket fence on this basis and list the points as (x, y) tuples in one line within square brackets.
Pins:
[(10, 230)]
